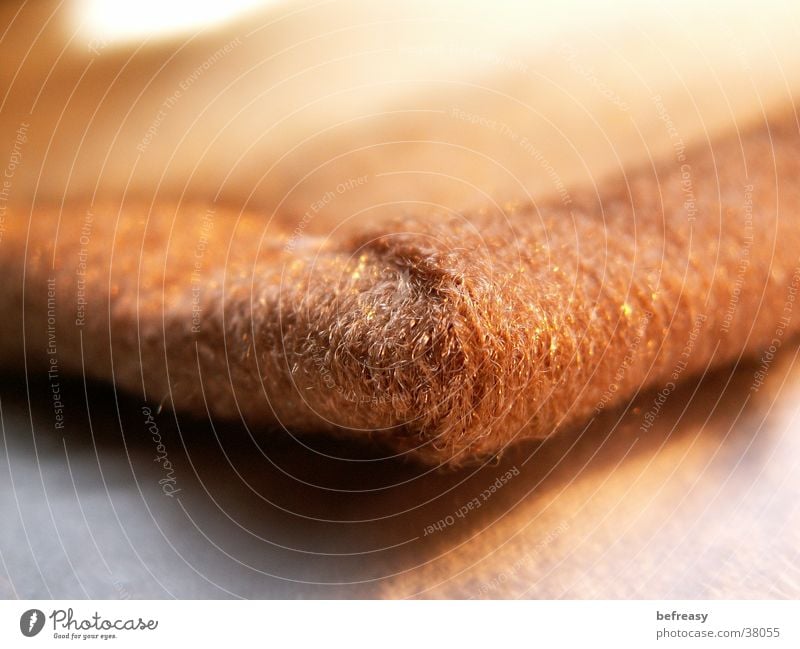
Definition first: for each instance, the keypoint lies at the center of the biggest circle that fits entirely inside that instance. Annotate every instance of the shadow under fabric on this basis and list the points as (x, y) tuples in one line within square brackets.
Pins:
[(444, 337)]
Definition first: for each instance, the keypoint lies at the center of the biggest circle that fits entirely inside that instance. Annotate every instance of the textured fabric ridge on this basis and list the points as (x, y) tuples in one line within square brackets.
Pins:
[(444, 337)]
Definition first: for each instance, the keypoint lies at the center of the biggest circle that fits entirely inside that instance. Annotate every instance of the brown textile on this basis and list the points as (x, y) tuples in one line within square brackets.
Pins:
[(447, 337)]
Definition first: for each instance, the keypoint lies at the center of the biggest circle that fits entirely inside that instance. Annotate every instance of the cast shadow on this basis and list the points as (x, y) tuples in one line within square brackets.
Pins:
[(270, 515)]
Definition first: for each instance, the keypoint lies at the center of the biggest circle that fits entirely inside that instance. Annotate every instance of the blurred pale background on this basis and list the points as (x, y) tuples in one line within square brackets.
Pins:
[(447, 104)]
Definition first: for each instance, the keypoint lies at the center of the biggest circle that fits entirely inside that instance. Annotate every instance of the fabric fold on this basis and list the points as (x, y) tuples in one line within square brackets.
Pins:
[(443, 337)]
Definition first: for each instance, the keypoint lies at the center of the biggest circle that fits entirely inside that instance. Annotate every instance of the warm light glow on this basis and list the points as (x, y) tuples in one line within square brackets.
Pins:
[(111, 20)]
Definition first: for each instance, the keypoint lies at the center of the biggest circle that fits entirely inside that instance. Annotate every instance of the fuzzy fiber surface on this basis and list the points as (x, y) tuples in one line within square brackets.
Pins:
[(443, 336)]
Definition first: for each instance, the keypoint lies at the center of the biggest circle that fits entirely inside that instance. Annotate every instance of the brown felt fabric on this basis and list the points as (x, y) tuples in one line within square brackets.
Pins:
[(443, 336)]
